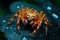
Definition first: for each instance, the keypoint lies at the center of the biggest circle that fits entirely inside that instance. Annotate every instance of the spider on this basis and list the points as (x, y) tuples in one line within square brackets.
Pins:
[(32, 15)]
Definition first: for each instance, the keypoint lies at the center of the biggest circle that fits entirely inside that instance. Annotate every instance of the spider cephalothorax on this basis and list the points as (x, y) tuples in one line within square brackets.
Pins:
[(30, 15)]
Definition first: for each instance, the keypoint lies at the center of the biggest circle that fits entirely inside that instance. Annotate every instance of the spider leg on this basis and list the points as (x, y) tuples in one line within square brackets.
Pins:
[(18, 24), (46, 23), (40, 14), (34, 24), (35, 30), (10, 21)]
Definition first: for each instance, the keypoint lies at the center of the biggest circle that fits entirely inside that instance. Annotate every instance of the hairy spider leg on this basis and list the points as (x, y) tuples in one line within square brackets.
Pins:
[(11, 20), (46, 23), (18, 23)]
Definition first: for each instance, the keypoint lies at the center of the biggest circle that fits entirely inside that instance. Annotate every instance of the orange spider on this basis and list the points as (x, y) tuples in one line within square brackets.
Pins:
[(26, 15)]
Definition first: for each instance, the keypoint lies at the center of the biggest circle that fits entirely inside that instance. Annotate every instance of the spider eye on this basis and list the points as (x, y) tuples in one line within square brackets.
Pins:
[(28, 16), (33, 16)]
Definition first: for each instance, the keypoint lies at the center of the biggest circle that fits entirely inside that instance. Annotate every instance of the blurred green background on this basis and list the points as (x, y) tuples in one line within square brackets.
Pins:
[(3, 11)]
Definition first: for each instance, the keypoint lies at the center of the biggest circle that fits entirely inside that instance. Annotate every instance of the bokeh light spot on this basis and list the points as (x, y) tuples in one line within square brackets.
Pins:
[(54, 15), (49, 8)]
